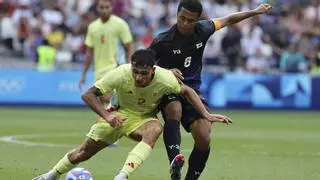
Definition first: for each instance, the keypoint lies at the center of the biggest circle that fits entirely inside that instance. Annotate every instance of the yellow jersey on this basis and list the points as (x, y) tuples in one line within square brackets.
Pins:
[(138, 101), (103, 38)]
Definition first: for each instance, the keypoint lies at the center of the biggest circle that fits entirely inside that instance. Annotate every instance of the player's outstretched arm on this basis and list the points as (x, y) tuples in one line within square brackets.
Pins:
[(92, 98), (129, 51), (86, 65), (239, 16)]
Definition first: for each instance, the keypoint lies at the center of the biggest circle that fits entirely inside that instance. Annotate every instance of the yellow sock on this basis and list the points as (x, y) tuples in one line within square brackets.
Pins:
[(136, 157), (64, 165)]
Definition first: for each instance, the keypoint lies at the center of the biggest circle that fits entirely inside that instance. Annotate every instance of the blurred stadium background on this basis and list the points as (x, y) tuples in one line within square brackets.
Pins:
[(263, 72)]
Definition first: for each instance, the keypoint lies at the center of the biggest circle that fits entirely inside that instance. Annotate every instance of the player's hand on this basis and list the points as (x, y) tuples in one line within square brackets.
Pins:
[(82, 82), (177, 73), (218, 118), (263, 8), (115, 120)]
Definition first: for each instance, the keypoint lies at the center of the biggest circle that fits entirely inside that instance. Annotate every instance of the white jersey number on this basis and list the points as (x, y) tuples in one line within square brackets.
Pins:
[(187, 61)]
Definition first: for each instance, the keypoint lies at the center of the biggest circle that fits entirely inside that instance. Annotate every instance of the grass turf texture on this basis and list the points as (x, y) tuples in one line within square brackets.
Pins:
[(260, 145)]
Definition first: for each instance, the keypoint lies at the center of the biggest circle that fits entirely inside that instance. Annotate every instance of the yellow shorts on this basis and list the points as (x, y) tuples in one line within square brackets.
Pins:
[(102, 131)]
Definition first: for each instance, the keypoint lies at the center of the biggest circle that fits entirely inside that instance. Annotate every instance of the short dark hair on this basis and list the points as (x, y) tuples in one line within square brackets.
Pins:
[(144, 58), (45, 42), (191, 5)]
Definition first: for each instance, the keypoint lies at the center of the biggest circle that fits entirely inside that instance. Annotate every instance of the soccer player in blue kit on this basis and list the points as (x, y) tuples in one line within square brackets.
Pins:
[(180, 49)]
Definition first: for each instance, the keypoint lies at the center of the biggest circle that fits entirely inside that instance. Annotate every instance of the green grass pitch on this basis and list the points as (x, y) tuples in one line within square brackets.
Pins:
[(260, 145)]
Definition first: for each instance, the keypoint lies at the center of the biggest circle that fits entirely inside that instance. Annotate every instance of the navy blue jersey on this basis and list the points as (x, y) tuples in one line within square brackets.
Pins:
[(174, 50)]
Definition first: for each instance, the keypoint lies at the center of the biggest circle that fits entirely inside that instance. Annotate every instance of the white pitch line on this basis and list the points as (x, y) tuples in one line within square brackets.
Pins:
[(14, 139)]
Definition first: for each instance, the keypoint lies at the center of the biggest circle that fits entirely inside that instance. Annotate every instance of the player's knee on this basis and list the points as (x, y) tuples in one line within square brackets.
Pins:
[(173, 111), (155, 129), (152, 132), (202, 135), (202, 144), (158, 129)]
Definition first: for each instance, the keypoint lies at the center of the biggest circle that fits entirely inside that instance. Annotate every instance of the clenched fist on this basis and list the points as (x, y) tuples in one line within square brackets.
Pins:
[(263, 8)]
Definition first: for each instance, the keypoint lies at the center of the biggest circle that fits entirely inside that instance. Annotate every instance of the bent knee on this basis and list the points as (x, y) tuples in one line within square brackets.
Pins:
[(153, 129), (152, 132), (156, 128), (173, 110), (204, 140), (202, 144)]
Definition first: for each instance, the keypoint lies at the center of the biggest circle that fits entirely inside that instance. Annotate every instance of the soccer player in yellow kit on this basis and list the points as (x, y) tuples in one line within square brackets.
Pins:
[(140, 87), (101, 43), (102, 40)]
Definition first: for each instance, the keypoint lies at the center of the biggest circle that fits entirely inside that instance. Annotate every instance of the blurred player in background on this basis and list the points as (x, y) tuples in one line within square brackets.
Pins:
[(180, 49), (102, 40), (140, 87)]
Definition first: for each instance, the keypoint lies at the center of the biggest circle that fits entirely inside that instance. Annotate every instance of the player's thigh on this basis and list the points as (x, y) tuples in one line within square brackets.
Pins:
[(189, 114), (171, 107), (103, 132), (149, 129)]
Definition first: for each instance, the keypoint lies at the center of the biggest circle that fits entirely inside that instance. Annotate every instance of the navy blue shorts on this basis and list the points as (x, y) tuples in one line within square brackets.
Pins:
[(189, 113)]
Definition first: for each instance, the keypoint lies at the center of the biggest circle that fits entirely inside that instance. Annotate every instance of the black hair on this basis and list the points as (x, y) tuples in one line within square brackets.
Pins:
[(191, 5), (45, 42), (143, 58)]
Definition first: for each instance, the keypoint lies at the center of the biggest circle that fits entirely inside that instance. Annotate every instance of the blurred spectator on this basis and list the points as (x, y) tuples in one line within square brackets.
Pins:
[(46, 56), (41, 24), (292, 60), (23, 11), (292, 20), (219, 8), (74, 43), (53, 15), (7, 31), (305, 45), (258, 63), (6, 7), (212, 53), (280, 42), (23, 31), (118, 7), (55, 37), (155, 11), (147, 38), (73, 17), (34, 41), (251, 39), (231, 47), (312, 11)]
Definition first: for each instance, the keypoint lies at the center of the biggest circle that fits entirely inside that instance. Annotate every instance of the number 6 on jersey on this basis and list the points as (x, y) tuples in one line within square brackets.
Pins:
[(187, 61)]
